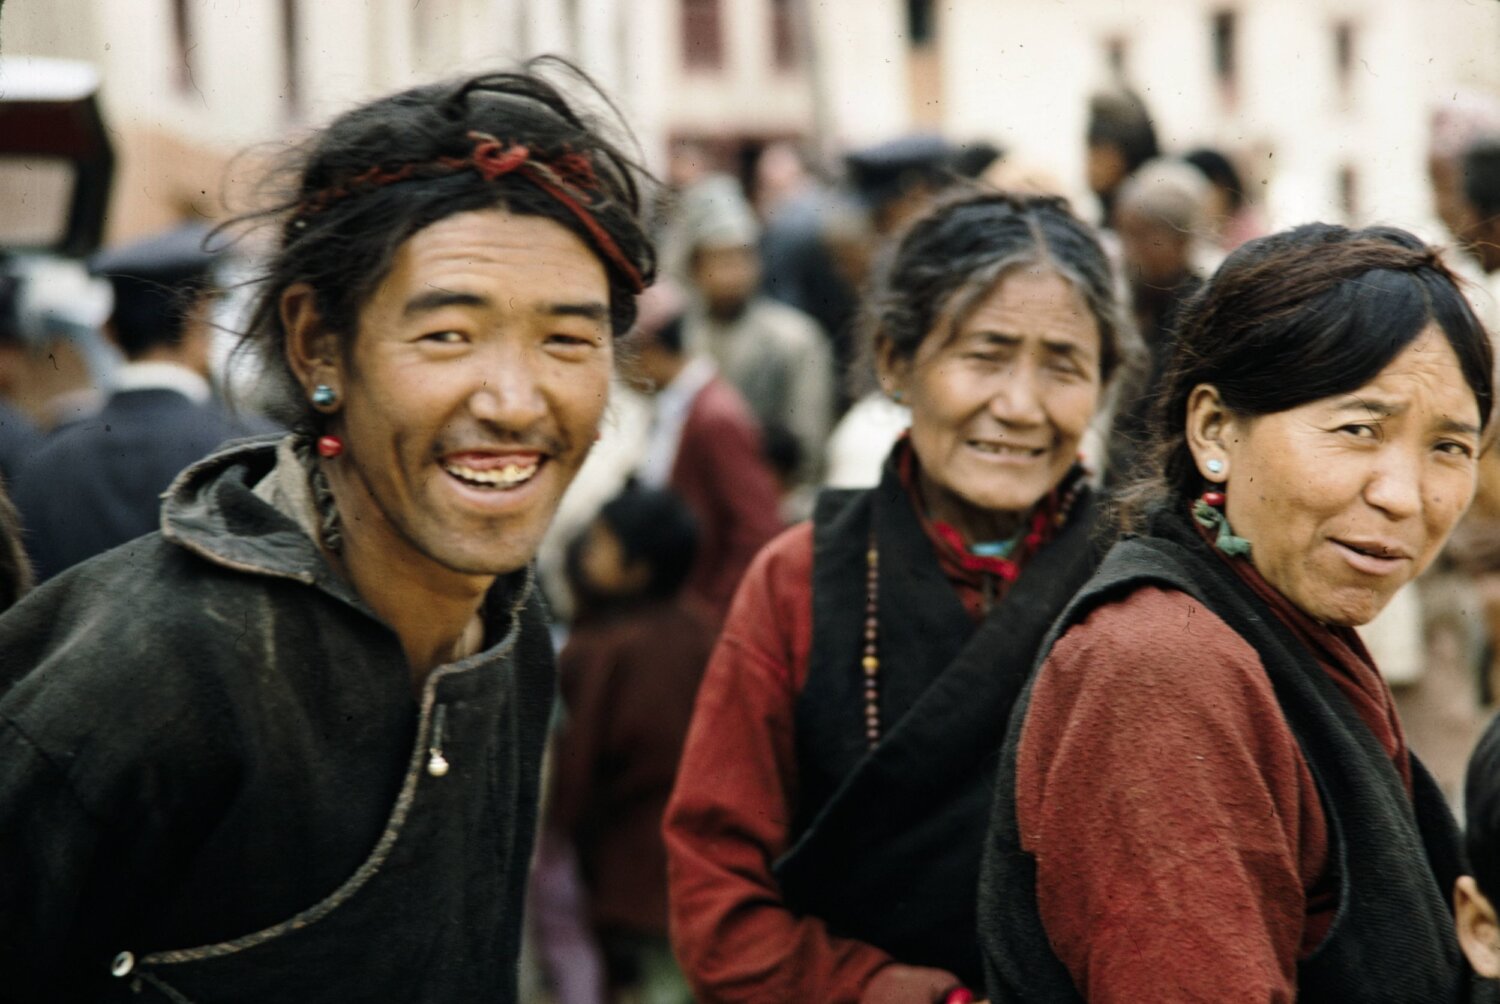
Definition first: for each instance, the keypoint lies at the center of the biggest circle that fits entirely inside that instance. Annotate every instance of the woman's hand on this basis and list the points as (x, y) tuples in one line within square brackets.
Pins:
[(898, 984)]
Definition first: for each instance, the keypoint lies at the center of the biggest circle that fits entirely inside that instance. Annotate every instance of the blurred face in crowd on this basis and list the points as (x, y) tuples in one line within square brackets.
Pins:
[(472, 391), (1346, 499), (1446, 177), (1106, 168), (1155, 254), (726, 276), (604, 567), (1000, 400)]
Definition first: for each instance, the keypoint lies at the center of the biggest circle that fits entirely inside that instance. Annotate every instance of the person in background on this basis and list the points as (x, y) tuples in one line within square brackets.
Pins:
[(629, 673), (1159, 217), (1120, 139), (705, 445), (288, 748), (797, 264), (54, 358), (1476, 893), (97, 483), (1231, 217), (774, 355), (1205, 792), (19, 436), (823, 838), (1481, 188)]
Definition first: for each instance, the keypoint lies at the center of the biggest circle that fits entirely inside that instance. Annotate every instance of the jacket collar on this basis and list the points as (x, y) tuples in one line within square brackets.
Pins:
[(221, 510)]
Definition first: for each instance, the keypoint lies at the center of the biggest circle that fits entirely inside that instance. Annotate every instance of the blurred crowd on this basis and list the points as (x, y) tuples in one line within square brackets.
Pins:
[(746, 386)]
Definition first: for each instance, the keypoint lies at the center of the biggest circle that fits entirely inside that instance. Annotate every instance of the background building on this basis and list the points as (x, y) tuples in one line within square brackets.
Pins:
[(1325, 102)]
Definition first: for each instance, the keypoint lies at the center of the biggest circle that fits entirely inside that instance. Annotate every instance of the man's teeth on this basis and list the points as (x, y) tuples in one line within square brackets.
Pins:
[(505, 477)]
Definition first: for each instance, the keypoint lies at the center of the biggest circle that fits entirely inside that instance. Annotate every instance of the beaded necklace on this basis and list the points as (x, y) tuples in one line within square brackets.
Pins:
[(1046, 521)]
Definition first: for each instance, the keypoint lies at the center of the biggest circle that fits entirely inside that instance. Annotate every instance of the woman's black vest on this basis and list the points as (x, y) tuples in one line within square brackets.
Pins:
[(887, 842), (1394, 857)]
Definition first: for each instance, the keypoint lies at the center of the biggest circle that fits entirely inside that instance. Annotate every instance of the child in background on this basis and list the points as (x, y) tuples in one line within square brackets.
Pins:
[(629, 674), (1475, 894)]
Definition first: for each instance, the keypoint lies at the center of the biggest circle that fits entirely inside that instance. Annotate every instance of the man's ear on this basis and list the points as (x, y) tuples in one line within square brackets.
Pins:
[(892, 368), (1478, 932), (312, 351)]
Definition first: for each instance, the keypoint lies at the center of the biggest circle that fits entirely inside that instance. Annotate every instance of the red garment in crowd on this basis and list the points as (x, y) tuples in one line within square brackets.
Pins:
[(721, 473), (1178, 835), (736, 791), (628, 681)]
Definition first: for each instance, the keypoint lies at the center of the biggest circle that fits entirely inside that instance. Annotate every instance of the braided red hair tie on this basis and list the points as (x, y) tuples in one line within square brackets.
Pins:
[(569, 180)]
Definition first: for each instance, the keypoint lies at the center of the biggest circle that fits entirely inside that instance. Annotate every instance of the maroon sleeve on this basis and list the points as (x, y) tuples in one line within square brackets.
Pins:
[(741, 488), (730, 812), (584, 669), (1173, 819)]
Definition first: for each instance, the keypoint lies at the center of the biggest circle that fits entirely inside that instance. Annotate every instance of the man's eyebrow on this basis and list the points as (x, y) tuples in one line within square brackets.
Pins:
[(437, 299), (593, 310)]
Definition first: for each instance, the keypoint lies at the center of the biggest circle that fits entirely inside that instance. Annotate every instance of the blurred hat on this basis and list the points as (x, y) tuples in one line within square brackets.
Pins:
[(155, 280), (169, 258), (714, 212), (886, 170)]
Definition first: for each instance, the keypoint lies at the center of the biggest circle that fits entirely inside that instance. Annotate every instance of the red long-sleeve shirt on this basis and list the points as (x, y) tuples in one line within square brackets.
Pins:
[(1179, 839), (730, 815)]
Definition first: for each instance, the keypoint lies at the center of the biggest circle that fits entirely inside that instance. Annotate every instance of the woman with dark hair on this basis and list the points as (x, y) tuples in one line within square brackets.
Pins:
[(824, 835), (1205, 793)]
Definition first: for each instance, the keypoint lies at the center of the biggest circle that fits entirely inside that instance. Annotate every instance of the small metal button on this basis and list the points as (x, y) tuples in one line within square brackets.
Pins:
[(123, 965)]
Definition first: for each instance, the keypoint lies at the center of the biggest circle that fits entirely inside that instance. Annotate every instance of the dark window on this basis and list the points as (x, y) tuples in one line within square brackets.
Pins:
[(921, 22), (702, 34), (1349, 192), (1343, 52), (784, 34), (182, 45), (1117, 55), (1225, 29), (291, 57)]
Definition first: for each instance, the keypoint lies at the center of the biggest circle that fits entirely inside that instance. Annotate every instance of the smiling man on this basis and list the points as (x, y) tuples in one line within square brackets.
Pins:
[(287, 747)]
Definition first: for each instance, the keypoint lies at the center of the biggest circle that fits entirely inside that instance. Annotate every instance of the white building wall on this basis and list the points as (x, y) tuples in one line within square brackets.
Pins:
[(1021, 72)]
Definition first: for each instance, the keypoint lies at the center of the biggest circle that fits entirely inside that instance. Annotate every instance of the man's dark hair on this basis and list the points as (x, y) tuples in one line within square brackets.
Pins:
[(950, 259), (1218, 169), (1481, 173), (378, 174), (1297, 317), (782, 449), (1121, 119), (1482, 812), (654, 526)]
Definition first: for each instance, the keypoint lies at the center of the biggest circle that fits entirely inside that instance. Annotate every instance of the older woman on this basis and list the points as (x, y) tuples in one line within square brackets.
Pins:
[(825, 832), (1205, 793)]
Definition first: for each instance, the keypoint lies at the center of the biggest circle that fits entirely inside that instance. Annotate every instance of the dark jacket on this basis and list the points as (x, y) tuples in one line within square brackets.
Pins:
[(215, 783), (889, 840), (1395, 857), (96, 483)]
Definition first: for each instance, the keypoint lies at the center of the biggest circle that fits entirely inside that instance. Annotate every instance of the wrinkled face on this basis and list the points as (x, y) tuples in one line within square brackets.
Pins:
[(474, 388), (1346, 499), (999, 406), (726, 277), (1154, 253)]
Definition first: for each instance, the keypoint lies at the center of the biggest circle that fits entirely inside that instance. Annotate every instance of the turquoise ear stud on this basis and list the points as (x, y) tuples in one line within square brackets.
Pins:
[(1215, 466), (323, 395)]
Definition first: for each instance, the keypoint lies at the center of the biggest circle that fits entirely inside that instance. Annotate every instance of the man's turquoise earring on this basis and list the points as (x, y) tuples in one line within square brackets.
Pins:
[(323, 395)]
